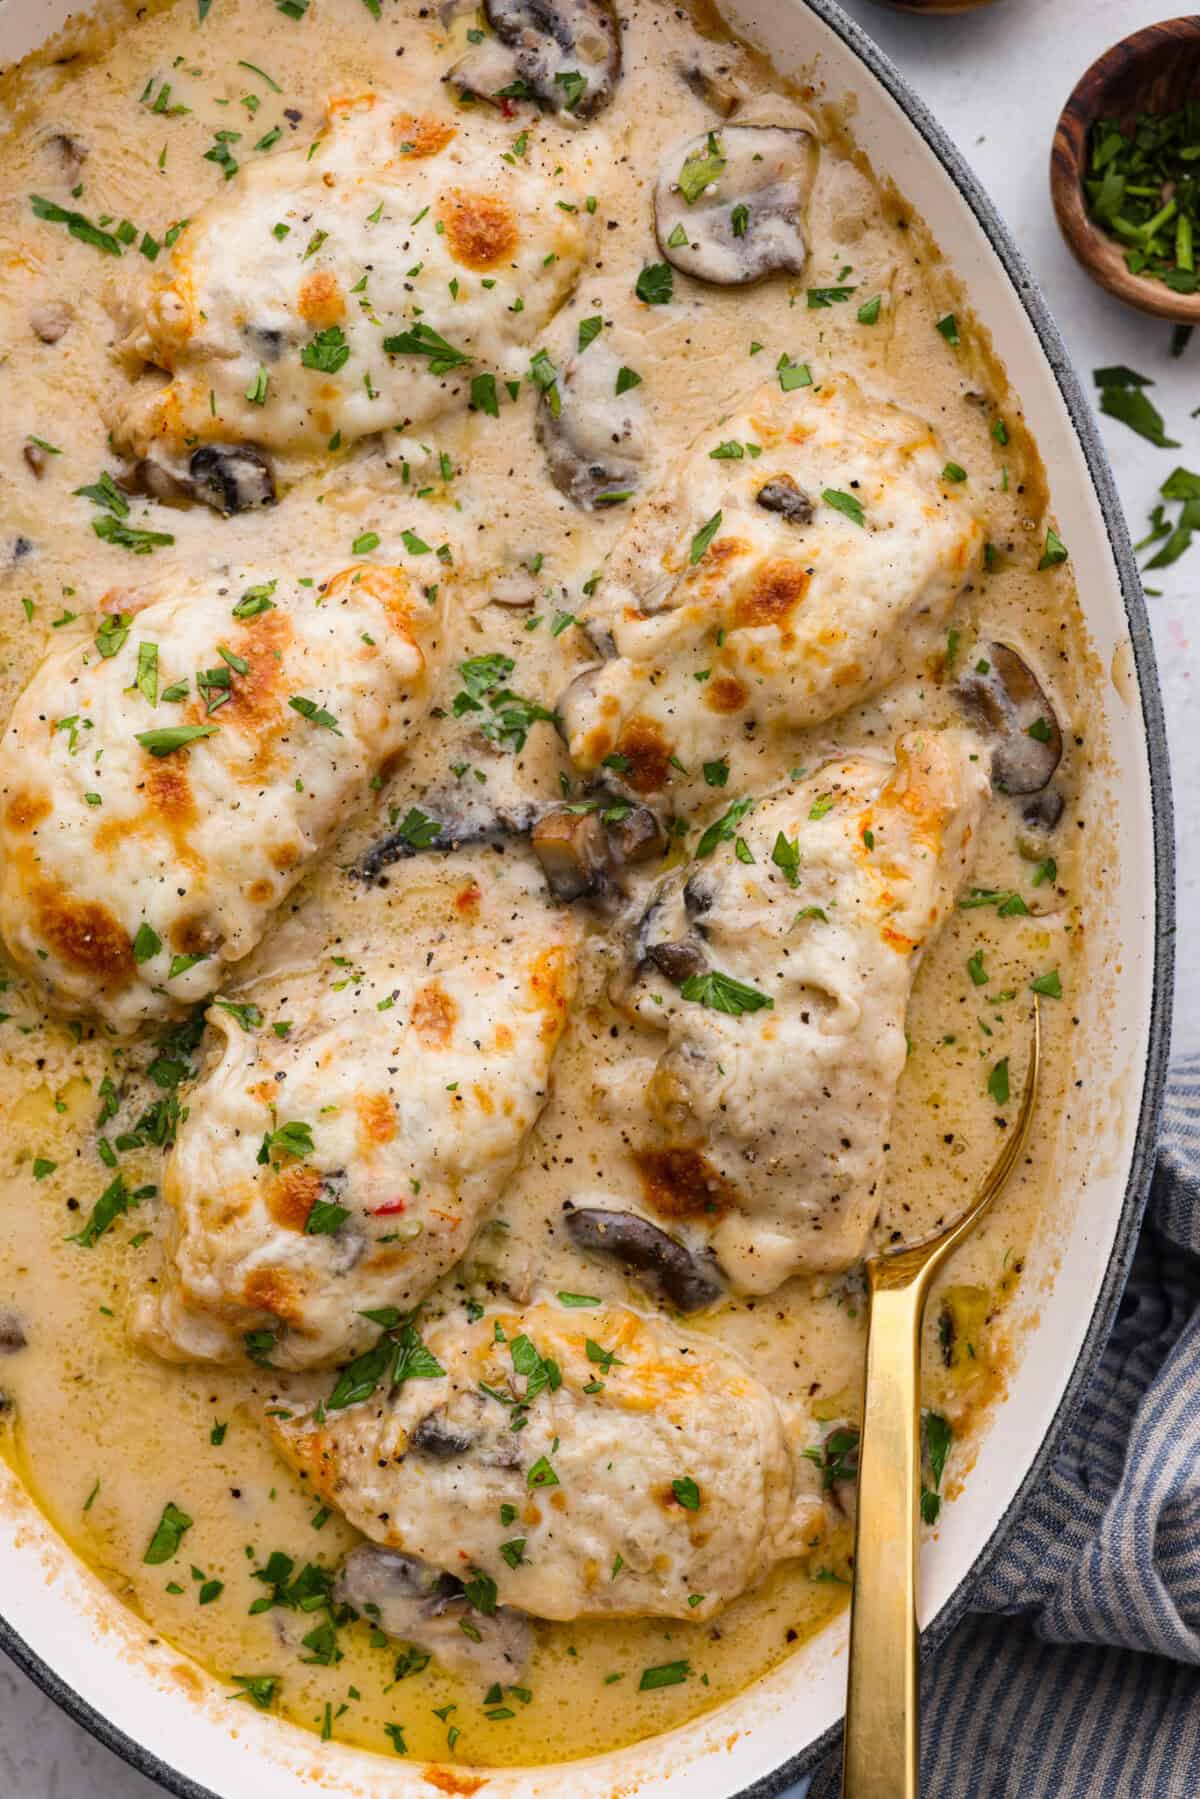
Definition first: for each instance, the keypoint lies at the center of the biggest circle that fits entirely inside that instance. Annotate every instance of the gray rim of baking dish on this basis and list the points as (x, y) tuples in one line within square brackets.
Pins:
[(771, 1786)]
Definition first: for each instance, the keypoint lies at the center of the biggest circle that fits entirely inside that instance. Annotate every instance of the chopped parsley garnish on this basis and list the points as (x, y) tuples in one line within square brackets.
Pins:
[(667, 1674), (1050, 985), (722, 993), (701, 169), (997, 1084), (328, 352), (317, 715), (656, 284), (793, 375), (169, 738), (703, 538), (1055, 550), (1007, 901), (843, 502), (259, 1689), (79, 226), (484, 397), (255, 600), (112, 633), (687, 1493), (828, 296), (938, 1437), (576, 1300), (129, 537), (172, 1527), (948, 327), (627, 378), (1133, 408), (722, 829), (868, 312), (589, 330), (423, 340), (837, 1457), (541, 1475), (786, 856), (398, 1356)]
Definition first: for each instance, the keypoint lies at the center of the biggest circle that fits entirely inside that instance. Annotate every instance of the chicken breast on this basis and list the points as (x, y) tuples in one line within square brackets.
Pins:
[(651, 1473), (358, 288), (802, 551), (166, 781), (343, 1166), (780, 975)]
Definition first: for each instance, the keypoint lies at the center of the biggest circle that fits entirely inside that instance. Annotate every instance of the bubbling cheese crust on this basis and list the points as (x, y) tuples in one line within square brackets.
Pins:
[(653, 1476), (802, 552), (414, 1078), (286, 311), (771, 1099), (166, 781)]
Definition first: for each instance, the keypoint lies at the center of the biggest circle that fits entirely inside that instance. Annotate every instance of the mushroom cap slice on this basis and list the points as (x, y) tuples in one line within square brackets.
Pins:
[(595, 439), (1003, 693), (729, 206), (658, 1262), (565, 54)]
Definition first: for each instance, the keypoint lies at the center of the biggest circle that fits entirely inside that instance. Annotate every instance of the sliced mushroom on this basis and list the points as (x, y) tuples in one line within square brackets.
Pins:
[(155, 482), (565, 54), (582, 847), (634, 833), (1044, 812), (782, 495), (667, 937), (12, 1334), (415, 1604), (593, 436), (647, 1254), (69, 154), (51, 321), (231, 477), (730, 206), (454, 820), (517, 588), (713, 77), (437, 1438), (1004, 694), (681, 960), (573, 849)]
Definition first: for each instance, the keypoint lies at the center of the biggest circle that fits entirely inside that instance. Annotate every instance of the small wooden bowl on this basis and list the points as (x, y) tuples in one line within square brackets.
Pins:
[(1155, 70)]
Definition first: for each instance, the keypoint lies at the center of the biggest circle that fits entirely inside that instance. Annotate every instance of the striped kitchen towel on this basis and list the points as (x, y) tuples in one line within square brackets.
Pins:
[(1077, 1674)]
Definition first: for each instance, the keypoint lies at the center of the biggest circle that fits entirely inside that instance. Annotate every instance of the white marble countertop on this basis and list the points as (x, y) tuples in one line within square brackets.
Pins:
[(996, 80)]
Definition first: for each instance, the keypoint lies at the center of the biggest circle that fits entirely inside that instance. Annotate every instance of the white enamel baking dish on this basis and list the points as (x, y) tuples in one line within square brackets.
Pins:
[(176, 1725)]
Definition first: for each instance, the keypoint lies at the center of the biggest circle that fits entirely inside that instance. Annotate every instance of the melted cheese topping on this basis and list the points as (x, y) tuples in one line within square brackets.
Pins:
[(801, 551), (165, 780), (652, 1473), (422, 1073), (773, 1096), (358, 284)]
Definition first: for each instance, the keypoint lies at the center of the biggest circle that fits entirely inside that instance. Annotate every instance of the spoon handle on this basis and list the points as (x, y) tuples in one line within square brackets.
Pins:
[(881, 1750)]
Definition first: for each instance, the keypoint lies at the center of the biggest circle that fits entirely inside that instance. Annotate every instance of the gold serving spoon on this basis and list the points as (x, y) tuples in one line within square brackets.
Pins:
[(881, 1757)]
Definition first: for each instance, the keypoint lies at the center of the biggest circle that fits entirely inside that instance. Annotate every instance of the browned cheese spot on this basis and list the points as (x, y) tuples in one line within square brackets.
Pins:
[(682, 1183), (480, 229)]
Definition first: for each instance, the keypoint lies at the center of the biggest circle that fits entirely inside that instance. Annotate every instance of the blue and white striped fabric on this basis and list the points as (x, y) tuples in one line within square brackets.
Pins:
[(1088, 1684)]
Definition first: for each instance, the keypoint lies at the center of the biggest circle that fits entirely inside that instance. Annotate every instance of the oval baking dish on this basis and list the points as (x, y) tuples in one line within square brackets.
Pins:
[(170, 1719)]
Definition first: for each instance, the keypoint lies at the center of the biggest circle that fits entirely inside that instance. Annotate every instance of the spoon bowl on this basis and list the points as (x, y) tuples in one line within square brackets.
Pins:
[(881, 1747), (1156, 70)]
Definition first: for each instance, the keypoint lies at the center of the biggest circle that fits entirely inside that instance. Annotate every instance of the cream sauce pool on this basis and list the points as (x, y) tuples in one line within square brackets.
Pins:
[(102, 1433)]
